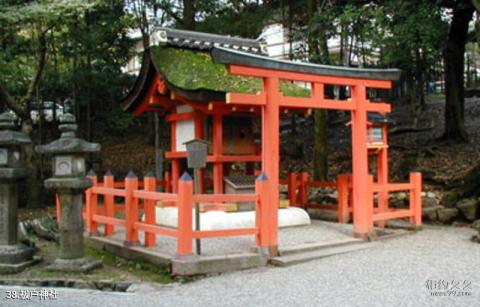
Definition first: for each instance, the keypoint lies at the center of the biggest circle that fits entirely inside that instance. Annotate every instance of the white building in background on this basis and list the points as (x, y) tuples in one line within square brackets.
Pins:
[(135, 63), (276, 39)]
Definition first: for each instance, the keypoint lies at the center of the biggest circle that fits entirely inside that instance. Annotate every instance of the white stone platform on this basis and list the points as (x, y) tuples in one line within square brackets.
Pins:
[(215, 220)]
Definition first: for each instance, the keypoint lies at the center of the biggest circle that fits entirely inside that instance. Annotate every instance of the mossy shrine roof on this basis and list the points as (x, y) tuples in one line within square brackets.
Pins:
[(194, 65)]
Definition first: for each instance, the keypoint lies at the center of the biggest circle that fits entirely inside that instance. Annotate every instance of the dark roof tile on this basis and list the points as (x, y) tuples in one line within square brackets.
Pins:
[(205, 41), (229, 56)]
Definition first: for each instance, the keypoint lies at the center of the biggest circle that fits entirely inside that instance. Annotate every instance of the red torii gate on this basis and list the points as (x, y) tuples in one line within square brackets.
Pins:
[(271, 100)]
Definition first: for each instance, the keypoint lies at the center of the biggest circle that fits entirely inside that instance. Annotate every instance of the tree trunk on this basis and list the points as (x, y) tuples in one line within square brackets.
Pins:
[(454, 68), (21, 106), (289, 25), (189, 14), (145, 28), (419, 76), (469, 83), (320, 162), (34, 183), (290, 29)]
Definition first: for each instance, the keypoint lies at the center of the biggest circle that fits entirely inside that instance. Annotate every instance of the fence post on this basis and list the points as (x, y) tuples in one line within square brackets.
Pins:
[(416, 199), (304, 189), (58, 210), (292, 188), (168, 184), (150, 183), (261, 188), (368, 208), (108, 182), (91, 205), (343, 212), (185, 220), (350, 194), (131, 210)]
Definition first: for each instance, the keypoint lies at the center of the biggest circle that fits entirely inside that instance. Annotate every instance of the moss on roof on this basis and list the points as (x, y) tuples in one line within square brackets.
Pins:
[(195, 70)]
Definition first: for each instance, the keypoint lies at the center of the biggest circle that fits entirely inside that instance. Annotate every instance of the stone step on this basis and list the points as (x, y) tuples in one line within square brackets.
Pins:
[(198, 265), (308, 247), (292, 259)]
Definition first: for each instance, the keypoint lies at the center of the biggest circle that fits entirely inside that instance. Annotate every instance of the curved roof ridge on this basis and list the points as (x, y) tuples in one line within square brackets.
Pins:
[(227, 56), (140, 87)]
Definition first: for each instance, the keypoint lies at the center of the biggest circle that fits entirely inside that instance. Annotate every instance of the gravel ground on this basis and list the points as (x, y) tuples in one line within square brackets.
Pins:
[(394, 273), (316, 232)]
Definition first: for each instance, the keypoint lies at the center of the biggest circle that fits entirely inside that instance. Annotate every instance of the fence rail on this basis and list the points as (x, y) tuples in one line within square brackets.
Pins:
[(298, 184), (298, 187), (414, 211), (137, 195)]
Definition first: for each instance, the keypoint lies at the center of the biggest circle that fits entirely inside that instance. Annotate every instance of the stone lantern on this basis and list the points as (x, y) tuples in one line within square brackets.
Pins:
[(14, 257), (69, 182)]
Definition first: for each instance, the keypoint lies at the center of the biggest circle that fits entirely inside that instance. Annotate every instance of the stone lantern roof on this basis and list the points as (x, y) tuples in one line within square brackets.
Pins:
[(8, 138), (68, 143), (8, 135)]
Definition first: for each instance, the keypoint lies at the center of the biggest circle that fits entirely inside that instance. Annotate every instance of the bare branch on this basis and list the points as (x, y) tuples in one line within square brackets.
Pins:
[(42, 54), (8, 100), (167, 9)]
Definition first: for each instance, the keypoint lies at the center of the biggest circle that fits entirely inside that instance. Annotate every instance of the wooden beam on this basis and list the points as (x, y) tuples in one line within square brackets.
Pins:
[(229, 110), (224, 233), (175, 154), (258, 99), (152, 89), (392, 215), (162, 101), (180, 116), (234, 158), (247, 71), (216, 158), (162, 87), (315, 103)]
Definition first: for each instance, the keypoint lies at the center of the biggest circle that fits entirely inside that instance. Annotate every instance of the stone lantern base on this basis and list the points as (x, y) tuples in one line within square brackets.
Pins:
[(81, 265), (15, 258)]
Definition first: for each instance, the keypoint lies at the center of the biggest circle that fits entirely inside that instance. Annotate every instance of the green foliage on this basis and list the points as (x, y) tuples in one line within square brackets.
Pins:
[(86, 46), (322, 26), (390, 30), (46, 11), (15, 70), (358, 24), (93, 50), (476, 3), (142, 270), (236, 18), (406, 26), (407, 165), (119, 122)]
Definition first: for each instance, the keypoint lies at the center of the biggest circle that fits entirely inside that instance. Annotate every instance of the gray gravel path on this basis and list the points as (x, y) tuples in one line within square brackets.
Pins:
[(316, 232), (392, 274)]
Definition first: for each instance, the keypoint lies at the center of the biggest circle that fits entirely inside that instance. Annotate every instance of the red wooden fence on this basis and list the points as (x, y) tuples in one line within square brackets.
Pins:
[(298, 184), (139, 196)]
